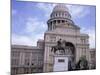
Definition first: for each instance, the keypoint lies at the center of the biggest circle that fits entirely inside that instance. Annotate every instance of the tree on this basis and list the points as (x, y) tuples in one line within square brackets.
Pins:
[(82, 64)]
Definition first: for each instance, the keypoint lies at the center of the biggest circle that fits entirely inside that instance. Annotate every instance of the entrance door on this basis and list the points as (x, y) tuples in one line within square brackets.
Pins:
[(60, 63)]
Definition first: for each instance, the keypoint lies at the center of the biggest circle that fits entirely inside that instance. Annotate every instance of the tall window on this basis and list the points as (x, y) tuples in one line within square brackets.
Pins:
[(27, 62), (83, 40)]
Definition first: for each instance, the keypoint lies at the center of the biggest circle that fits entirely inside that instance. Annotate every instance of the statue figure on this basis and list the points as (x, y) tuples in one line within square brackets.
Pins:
[(59, 42), (63, 48), (58, 47)]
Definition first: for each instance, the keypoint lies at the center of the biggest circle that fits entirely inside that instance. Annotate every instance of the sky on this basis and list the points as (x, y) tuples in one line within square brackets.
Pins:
[(29, 21)]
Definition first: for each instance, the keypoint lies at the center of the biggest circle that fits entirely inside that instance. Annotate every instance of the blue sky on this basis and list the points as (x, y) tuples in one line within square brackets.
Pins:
[(29, 21)]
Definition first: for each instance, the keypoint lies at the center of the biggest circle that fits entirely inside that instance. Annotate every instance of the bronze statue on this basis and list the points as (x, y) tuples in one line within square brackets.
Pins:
[(63, 47), (58, 47)]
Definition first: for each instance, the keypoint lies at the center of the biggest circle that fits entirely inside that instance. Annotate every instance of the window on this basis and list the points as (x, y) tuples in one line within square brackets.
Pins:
[(65, 14), (62, 21), (53, 38), (27, 62), (14, 70), (27, 55), (61, 60), (84, 50), (83, 40), (54, 21), (14, 62), (56, 14), (26, 70), (15, 54), (92, 55)]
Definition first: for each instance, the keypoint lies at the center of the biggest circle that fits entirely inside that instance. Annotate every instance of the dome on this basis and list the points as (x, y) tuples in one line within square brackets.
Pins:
[(59, 16), (60, 10), (60, 7)]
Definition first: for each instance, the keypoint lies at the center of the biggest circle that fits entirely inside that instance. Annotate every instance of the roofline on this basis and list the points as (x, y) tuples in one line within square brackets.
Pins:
[(25, 47)]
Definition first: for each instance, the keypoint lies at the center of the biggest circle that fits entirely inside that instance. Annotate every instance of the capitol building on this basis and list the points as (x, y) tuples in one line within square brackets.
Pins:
[(62, 48)]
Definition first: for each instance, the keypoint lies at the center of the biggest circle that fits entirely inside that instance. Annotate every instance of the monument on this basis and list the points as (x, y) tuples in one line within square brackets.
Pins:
[(63, 56)]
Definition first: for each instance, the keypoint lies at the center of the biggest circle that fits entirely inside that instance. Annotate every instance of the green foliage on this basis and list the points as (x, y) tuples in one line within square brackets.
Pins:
[(82, 64)]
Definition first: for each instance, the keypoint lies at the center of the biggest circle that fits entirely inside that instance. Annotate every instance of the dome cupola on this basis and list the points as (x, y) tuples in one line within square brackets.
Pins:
[(60, 10), (59, 16), (60, 7)]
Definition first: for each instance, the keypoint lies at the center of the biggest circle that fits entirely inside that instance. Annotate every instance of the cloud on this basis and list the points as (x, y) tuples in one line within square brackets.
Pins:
[(34, 25), (21, 40), (47, 8), (91, 33), (26, 40), (35, 30), (77, 11)]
